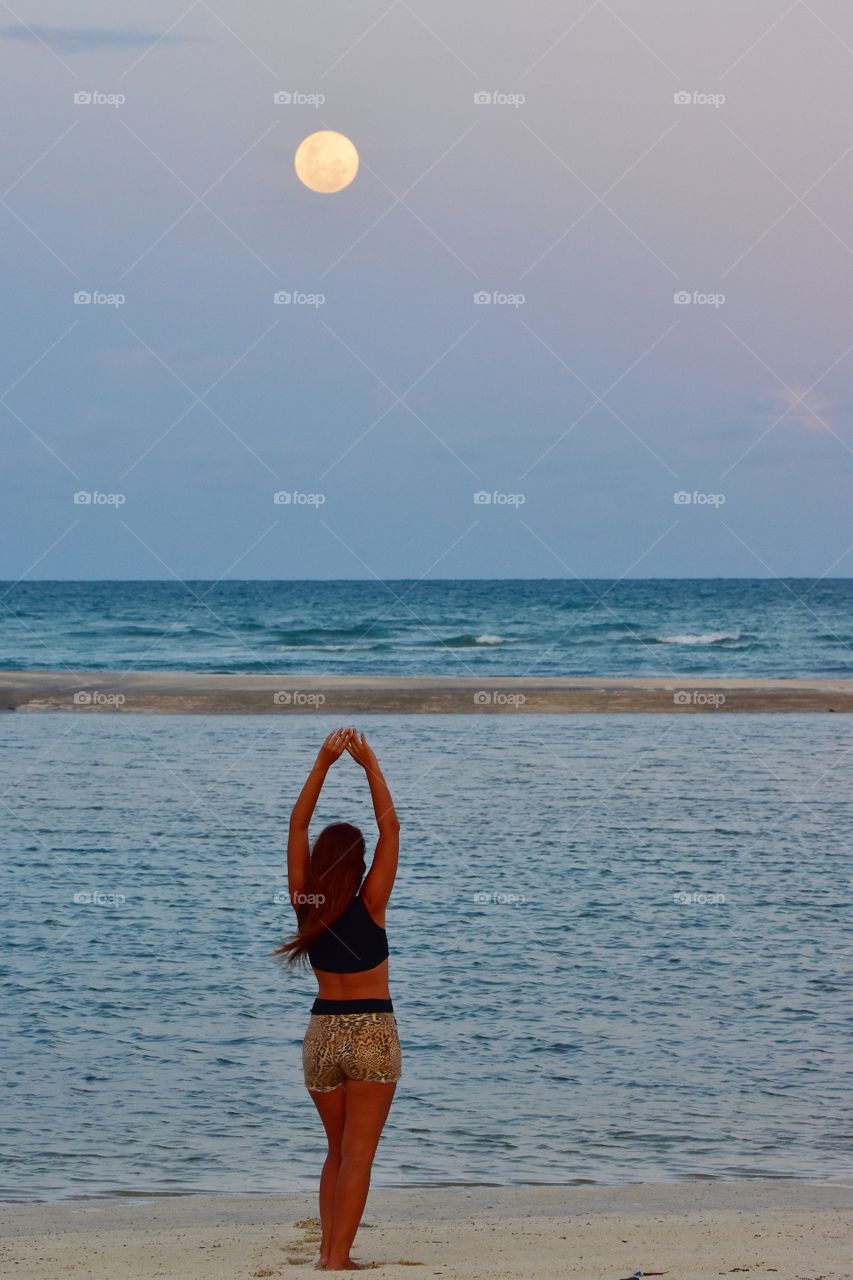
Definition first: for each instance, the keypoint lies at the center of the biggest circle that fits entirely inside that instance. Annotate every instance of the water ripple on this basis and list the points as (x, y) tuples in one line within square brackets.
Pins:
[(616, 952)]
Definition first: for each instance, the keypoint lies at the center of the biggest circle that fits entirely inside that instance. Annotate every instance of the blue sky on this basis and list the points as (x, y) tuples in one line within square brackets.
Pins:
[(627, 154)]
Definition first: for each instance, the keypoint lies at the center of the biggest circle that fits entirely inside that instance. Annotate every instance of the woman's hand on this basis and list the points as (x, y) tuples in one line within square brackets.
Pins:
[(361, 752), (334, 746)]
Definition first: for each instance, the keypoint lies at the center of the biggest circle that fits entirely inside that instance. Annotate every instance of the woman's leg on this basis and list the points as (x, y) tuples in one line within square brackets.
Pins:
[(367, 1107), (332, 1109)]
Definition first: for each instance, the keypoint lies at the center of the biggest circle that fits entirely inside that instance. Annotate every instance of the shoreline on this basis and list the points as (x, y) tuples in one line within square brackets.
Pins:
[(698, 1229), (192, 693), (770, 1188)]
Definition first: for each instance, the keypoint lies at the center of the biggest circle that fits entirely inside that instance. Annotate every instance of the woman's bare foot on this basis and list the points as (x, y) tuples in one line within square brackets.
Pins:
[(349, 1265)]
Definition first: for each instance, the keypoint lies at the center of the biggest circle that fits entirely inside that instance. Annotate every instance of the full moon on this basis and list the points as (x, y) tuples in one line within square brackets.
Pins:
[(326, 161)]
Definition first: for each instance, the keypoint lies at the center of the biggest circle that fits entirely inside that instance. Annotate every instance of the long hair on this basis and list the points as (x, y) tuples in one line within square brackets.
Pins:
[(335, 871)]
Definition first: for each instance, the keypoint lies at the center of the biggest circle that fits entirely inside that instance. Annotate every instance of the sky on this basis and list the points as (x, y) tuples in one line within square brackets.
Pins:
[(585, 309)]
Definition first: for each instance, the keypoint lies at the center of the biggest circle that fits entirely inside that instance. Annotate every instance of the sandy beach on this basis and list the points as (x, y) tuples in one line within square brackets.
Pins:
[(694, 1230), (178, 692)]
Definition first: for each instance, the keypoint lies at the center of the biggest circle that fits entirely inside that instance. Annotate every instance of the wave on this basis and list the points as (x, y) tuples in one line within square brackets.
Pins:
[(468, 641), (607, 625), (702, 638), (116, 629), (319, 637), (380, 647)]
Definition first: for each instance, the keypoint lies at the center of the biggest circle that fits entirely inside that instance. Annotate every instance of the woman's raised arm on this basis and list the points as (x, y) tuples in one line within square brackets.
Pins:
[(302, 812), (380, 878)]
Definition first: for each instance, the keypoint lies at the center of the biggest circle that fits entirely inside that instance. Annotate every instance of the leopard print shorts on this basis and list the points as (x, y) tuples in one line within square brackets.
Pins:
[(350, 1046)]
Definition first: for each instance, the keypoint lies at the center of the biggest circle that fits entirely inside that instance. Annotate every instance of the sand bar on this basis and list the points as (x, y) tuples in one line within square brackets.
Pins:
[(773, 1229), (179, 692)]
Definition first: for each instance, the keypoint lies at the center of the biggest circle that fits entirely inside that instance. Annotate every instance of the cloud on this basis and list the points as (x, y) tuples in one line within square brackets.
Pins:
[(81, 39), (804, 409)]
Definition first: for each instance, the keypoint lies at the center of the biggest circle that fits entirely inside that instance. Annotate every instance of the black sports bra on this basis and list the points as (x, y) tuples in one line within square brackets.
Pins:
[(352, 943)]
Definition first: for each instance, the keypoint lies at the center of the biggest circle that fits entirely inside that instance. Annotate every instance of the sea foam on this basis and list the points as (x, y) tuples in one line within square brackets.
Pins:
[(704, 637)]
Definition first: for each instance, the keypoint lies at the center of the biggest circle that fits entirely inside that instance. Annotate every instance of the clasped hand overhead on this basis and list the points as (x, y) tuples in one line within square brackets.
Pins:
[(355, 744)]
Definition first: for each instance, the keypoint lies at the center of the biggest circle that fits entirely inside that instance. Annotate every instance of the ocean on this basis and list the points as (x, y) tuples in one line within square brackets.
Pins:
[(706, 627), (619, 944)]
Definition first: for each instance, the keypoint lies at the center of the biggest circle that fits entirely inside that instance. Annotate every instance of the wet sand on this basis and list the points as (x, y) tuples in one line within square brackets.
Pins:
[(776, 1229), (178, 692)]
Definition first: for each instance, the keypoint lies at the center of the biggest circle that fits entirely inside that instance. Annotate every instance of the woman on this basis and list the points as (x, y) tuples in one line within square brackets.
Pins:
[(351, 1052)]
